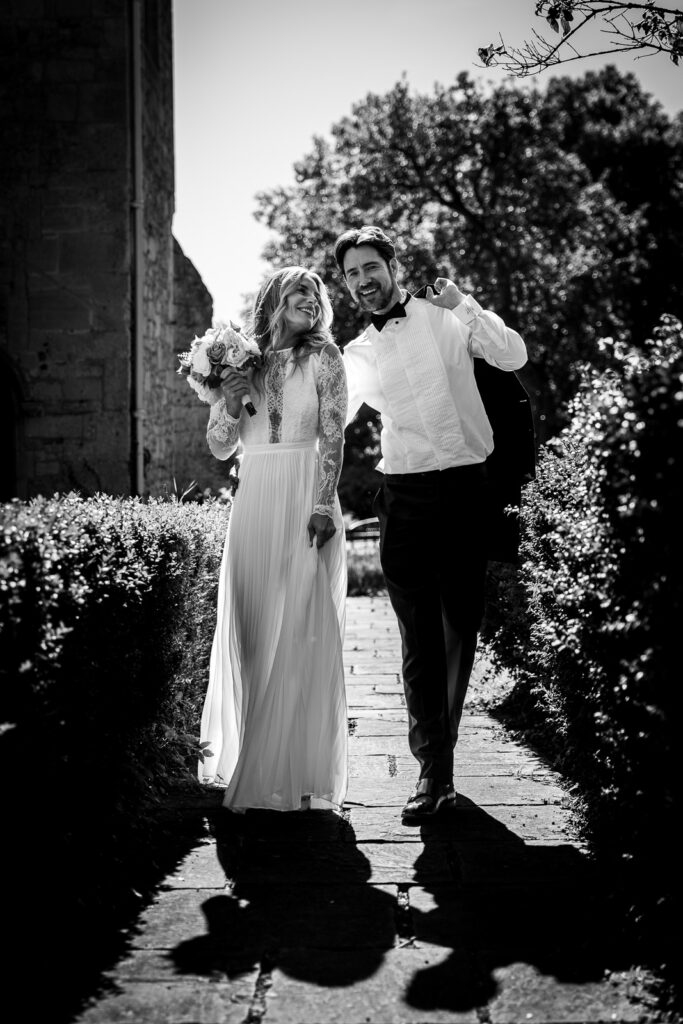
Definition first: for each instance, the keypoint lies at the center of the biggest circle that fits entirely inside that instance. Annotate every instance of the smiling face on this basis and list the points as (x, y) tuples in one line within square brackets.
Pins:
[(370, 279), (302, 307)]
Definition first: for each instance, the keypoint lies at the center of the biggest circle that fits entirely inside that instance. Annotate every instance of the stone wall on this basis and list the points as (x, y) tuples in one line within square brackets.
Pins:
[(65, 241), (158, 185), (192, 460), (67, 254)]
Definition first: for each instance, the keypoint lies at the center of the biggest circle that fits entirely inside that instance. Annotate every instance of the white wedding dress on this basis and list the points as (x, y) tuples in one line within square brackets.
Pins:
[(274, 717)]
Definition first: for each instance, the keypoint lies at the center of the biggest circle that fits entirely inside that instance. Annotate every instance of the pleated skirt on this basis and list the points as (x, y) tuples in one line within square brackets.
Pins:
[(274, 724)]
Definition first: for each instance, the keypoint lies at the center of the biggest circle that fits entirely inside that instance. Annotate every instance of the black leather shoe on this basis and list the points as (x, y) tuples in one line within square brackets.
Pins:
[(427, 800)]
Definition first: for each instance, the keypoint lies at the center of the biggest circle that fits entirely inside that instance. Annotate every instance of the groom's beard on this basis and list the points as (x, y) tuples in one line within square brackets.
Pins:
[(379, 299)]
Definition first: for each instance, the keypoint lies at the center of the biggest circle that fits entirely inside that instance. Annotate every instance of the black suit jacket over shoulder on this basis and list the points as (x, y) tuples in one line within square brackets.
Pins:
[(512, 462)]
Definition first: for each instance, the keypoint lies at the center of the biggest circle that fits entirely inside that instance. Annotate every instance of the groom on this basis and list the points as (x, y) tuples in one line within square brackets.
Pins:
[(414, 364)]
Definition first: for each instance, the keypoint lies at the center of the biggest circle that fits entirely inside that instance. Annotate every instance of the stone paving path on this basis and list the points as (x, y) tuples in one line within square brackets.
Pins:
[(491, 914)]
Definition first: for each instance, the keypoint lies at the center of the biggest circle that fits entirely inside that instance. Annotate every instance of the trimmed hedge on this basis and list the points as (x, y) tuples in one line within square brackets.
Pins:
[(107, 612), (590, 626), (106, 619)]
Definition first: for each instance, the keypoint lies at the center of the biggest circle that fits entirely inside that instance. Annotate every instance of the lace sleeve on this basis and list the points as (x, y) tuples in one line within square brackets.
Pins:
[(332, 402), (222, 432)]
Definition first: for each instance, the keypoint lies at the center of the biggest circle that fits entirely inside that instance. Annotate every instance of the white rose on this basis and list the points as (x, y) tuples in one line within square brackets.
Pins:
[(200, 361)]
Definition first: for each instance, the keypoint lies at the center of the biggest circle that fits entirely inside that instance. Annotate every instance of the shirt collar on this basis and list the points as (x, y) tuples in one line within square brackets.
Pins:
[(397, 311)]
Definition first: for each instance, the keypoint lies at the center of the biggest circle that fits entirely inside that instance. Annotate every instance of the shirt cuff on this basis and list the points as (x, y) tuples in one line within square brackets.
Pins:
[(468, 310)]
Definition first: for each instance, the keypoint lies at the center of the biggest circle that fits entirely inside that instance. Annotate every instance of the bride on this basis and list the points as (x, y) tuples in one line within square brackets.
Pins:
[(274, 722)]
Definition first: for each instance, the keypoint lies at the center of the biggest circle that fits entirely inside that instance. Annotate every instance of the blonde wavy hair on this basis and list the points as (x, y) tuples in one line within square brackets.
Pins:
[(267, 321)]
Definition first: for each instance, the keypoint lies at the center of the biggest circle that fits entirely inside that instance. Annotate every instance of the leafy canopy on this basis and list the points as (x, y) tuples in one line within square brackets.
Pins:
[(560, 210)]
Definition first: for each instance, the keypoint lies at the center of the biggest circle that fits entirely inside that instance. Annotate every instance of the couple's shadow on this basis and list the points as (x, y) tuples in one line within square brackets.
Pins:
[(298, 883), (480, 898)]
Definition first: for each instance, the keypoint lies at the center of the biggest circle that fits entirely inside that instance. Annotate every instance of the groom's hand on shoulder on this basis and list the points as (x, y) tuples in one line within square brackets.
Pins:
[(449, 295)]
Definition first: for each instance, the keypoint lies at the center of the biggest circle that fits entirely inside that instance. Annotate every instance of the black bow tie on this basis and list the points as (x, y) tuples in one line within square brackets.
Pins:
[(379, 319)]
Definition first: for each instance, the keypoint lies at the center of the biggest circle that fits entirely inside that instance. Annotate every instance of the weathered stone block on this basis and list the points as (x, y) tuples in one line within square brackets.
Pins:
[(83, 367), (183, 1002), (57, 70), (45, 468), (106, 8), (79, 427), (118, 381), (114, 34), (57, 347), (29, 9), (112, 310), (47, 392), (42, 255), (92, 252), (73, 8), (63, 218), (102, 147), (81, 406), (102, 102), (105, 211), (52, 309), (62, 103), (87, 389)]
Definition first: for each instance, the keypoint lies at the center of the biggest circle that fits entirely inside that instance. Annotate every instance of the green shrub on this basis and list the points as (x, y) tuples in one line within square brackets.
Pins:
[(105, 625), (592, 638), (107, 611)]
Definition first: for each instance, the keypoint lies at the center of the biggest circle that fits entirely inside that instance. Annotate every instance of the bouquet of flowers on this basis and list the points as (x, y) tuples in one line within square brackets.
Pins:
[(221, 347)]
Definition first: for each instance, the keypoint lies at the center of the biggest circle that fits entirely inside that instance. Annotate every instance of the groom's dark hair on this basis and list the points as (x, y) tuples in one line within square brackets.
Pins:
[(367, 235)]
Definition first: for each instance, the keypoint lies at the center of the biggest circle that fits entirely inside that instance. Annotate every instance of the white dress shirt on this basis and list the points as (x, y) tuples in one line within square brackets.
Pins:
[(418, 374)]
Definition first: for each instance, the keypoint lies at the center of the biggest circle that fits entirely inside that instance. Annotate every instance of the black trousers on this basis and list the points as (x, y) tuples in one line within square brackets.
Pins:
[(433, 529)]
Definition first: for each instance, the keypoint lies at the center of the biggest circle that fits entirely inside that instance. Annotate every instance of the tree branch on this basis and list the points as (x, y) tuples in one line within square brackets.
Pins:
[(660, 30)]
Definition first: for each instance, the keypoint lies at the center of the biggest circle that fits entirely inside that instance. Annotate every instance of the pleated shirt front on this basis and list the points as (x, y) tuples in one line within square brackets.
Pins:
[(418, 374)]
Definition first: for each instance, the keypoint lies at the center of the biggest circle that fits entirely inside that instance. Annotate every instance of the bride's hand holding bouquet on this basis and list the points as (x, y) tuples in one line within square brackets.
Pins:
[(216, 365), (235, 388)]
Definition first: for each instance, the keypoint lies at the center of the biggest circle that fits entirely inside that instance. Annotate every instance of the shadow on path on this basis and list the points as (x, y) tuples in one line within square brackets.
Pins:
[(74, 893), (299, 901), (509, 902), (299, 889)]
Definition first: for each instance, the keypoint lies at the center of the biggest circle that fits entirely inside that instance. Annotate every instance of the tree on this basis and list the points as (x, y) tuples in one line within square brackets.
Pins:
[(627, 142), (645, 27), (541, 203)]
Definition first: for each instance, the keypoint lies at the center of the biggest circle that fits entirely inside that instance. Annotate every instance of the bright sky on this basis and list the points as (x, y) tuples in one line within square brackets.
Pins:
[(255, 80)]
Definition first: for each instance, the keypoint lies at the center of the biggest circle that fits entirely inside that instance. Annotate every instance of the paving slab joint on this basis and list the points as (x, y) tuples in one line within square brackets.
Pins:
[(264, 981), (403, 916)]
